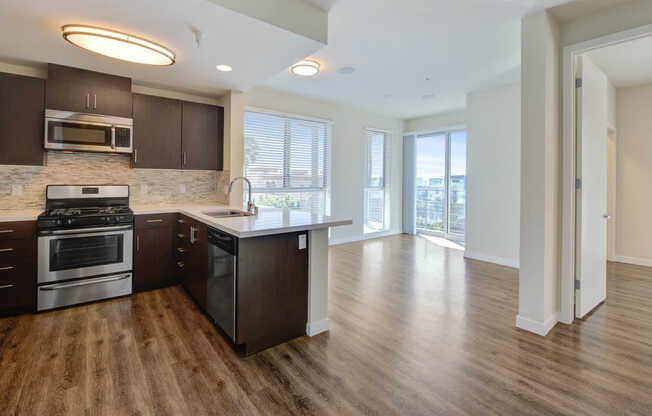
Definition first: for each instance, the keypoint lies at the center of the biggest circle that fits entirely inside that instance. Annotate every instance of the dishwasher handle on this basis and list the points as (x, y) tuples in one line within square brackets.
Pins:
[(223, 240)]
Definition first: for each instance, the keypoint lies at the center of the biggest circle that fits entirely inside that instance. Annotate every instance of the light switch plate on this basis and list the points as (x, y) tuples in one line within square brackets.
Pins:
[(302, 241)]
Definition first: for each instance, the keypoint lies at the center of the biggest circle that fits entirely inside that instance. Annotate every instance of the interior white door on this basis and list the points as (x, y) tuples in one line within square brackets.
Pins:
[(591, 233)]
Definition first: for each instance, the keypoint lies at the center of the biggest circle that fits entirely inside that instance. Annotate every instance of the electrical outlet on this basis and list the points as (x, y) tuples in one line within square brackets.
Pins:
[(143, 188), (302, 241), (182, 188), (16, 190)]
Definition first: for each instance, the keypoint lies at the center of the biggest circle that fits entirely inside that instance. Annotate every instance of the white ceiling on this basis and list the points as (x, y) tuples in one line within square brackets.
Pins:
[(30, 31), (461, 45), (626, 64)]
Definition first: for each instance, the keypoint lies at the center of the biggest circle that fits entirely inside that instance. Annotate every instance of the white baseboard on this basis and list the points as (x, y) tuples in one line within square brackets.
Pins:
[(314, 328), (490, 259), (353, 239), (539, 328), (633, 260)]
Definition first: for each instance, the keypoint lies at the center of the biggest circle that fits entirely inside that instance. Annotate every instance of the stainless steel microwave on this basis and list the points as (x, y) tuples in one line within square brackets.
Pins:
[(66, 130)]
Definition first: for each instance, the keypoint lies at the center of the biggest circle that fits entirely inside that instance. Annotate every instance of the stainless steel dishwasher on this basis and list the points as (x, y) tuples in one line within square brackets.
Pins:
[(221, 282)]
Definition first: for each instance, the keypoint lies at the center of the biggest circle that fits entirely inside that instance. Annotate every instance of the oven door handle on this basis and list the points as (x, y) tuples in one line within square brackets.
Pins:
[(90, 230), (85, 282)]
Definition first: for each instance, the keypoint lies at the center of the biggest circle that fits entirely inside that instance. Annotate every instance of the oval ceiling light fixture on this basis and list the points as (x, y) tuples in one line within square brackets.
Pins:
[(305, 68), (224, 68), (117, 45), (428, 97)]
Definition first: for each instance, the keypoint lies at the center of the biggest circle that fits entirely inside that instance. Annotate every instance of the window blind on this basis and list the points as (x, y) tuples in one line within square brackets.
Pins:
[(285, 154), (287, 161), (375, 177), (374, 192)]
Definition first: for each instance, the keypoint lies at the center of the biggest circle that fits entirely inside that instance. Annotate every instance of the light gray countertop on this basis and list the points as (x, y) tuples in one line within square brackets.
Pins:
[(28, 214), (268, 221)]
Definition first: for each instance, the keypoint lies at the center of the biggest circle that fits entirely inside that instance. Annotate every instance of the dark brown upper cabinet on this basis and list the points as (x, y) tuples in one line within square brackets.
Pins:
[(82, 91), (157, 132), (21, 120), (202, 136)]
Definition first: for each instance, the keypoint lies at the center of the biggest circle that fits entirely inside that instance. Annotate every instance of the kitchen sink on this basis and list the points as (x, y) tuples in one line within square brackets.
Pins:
[(224, 213)]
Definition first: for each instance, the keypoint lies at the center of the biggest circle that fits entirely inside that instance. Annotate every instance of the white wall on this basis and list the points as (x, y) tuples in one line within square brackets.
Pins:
[(436, 121), (347, 154), (634, 175), (494, 175), (540, 245)]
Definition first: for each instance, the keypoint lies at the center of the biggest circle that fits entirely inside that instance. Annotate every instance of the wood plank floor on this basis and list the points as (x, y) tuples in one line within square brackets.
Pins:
[(415, 329)]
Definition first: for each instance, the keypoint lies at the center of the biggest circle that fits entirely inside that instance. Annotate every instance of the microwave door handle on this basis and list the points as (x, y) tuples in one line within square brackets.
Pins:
[(112, 137)]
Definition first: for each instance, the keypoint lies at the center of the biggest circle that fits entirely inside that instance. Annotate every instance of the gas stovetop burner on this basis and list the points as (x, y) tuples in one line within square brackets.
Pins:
[(82, 206), (87, 211)]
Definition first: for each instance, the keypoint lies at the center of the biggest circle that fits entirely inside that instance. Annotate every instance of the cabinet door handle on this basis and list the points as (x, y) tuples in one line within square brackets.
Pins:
[(180, 264), (6, 231), (6, 286), (181, 250), (7, 268), (6, 250), (180, 221), (94, 101), (88, 100), (156, 220), (138, 244), (135, 155), (181, 235), (184, 158), (193, 236)]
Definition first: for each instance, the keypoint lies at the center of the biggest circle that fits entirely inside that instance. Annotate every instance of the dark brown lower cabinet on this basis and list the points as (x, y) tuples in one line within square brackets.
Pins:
[(154, 251), (17, 267), (191, 257), (272, 291)]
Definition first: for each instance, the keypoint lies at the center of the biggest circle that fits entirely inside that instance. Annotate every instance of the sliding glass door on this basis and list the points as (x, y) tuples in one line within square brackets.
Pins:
[(440, 194)]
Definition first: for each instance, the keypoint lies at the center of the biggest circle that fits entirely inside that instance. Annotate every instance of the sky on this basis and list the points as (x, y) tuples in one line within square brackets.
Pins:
[(431, 155)]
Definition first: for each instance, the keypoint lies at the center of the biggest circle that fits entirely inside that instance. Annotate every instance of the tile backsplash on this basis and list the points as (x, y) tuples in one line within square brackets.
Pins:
[(24, 186)]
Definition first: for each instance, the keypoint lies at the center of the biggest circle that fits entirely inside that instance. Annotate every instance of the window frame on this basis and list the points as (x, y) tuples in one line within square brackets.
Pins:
[(369, 132), (447, 132), (286, 188)]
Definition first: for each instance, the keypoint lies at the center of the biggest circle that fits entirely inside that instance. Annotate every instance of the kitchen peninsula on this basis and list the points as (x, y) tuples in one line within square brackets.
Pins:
[(275, 251)]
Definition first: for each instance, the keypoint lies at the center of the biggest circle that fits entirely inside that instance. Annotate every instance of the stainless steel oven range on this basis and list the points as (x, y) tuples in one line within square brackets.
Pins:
[(85, 245)]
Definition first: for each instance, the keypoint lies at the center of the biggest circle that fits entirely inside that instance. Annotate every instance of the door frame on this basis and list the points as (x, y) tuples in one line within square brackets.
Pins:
[(569, 142)]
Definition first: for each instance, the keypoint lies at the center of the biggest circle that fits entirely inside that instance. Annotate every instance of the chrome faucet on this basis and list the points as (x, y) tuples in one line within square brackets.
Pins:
[(251, 208)]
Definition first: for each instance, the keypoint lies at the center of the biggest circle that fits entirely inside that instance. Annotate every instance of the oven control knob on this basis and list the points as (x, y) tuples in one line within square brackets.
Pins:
[(69, 221)]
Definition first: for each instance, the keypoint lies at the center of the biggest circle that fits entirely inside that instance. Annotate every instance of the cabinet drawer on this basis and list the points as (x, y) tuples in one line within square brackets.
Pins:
[(16, 272), (154, 220), (17, 230), (17, 284), (17, 251)]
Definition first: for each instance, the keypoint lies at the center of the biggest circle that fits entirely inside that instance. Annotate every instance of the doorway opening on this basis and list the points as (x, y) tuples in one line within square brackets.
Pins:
[(607, 164)]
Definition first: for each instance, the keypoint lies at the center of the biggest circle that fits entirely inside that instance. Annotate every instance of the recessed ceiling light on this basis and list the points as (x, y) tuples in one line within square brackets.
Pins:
[(428, 96), (346, 70), (117, 45), (224, 68), (305, 68)]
